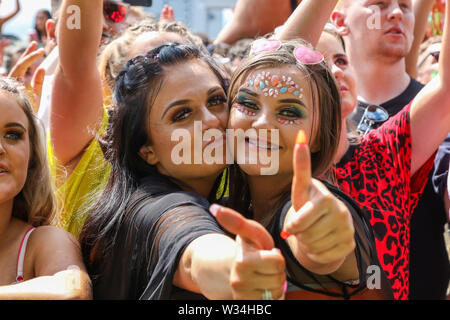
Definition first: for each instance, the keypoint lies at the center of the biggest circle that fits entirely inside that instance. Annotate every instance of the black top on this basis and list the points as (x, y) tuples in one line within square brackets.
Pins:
[(429, 271), (392, 106), (294, 4), (160, 223), (300, 278), (441, 163)]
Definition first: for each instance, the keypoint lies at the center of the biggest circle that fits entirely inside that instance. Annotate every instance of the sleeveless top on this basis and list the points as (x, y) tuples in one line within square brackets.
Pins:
[(21, 254)]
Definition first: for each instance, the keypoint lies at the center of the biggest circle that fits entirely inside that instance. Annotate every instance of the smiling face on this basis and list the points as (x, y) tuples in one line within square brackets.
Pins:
[(277, 100), (190, 102), (14, 148), (343, 72), (382, 28)]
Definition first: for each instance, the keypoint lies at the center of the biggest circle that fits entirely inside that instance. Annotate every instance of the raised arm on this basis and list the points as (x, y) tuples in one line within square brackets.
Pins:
[(253, 18), (3, 20), (422, 9), (308, 20), (430, 111), (76, 103)]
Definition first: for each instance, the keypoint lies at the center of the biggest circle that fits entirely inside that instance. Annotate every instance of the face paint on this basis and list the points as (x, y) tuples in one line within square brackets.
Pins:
[(273, 85)]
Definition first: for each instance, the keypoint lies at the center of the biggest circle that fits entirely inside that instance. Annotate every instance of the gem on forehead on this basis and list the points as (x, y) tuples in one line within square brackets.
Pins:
[(275, 81), (272, 85)]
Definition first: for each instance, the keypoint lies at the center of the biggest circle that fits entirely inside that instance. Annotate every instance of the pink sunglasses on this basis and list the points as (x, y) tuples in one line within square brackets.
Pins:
[(303, 54)]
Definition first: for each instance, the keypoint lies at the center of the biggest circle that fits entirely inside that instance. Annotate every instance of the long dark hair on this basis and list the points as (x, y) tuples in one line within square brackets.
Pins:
[(136, 89)]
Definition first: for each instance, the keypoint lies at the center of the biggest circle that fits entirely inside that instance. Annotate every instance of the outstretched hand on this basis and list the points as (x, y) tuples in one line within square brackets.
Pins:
[(25, 61), (258, 265), (320, 224)]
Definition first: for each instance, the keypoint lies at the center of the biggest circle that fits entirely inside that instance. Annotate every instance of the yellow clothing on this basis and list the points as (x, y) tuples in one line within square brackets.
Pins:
[(83, 185)]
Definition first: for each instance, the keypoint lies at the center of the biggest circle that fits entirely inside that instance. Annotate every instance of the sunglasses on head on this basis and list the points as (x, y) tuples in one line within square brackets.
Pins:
[(435, 55), (114, 12), (372, 118), (304, 55)]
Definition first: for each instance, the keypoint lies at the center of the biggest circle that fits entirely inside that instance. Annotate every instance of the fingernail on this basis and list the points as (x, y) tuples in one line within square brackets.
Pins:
[(214, 208), (277, 250), (285, 287), (301, 138), (284, 235)]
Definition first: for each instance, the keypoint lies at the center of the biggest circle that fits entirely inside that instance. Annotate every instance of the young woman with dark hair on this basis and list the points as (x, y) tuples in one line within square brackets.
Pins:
[(153, 212)]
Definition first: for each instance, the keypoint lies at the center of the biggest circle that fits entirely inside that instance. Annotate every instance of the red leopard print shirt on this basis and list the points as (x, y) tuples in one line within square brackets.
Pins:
[(378, 178)]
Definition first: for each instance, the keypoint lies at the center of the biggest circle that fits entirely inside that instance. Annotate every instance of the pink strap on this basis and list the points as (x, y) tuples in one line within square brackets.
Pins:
[(21, 256)]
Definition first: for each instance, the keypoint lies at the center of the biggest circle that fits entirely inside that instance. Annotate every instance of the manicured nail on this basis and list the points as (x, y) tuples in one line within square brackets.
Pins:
[(301, 138), (285, 287), (284, 235), (214, 208)]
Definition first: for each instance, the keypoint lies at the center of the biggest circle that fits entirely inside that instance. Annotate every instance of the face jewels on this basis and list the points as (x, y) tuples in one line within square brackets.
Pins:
[(288, 122), (273, 85), (243, 110)]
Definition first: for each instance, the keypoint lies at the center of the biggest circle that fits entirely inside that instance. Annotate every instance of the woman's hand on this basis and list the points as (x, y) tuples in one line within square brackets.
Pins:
[(258, 266), (320, 224), (25, 61)]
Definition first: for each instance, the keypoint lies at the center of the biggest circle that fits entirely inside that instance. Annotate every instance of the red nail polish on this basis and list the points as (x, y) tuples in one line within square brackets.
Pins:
[(284, 235)]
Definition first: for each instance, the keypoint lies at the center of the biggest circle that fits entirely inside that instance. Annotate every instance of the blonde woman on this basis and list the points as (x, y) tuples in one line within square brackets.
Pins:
[(37, 261)]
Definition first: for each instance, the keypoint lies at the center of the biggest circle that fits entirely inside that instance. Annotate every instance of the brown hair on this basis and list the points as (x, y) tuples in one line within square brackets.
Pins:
[(35, 203), (328, 112), (324, 90)]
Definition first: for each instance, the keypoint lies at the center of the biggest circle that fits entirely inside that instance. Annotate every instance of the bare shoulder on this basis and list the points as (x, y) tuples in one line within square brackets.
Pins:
[(53, 249), (52, 236)]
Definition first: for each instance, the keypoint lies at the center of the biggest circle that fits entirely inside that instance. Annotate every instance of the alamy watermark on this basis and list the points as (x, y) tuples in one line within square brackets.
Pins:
[(74, 19), (212, 146)]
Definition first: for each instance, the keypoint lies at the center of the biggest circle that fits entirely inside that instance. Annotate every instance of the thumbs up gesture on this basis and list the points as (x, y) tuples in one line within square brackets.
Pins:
[(318, 227), (258, 270)]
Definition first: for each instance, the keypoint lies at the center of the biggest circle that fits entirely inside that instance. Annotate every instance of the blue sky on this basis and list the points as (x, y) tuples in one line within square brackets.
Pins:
[(21, 24)]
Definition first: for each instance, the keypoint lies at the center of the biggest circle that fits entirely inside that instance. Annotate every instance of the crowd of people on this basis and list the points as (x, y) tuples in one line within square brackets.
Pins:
[(346, 99)]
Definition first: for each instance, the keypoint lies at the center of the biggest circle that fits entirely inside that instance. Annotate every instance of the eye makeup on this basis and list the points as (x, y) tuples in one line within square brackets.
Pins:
[(287, 115)]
